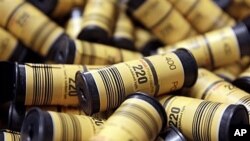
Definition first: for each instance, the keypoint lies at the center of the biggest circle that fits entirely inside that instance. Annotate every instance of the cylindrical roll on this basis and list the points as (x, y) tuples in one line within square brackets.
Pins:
[(73, 27), (162, 19), (98, 54), (97, 25), (204, 15), (106, 88), (34, 29), (217, 48), (39, 125), (123, 36), (40, 84), (243, 81), (57, 8), (139, 113), (145, 42), (201, 120), (238, 9), (7, 135), (213, 88)]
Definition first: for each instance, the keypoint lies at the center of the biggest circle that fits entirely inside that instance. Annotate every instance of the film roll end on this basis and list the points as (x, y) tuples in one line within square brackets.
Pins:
[(234, 115), (8, 75), (72, 51), (173, 134), (243, 83), (15, 116), (47, 6), (60, 50), (189, 65), (160, 109), (94, 34), (123, 43), (85, 95), (35, 125)]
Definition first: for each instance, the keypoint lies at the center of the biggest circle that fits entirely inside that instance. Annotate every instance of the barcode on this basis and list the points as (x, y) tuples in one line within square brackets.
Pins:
[(42, 84), (71, 129), (151, 128), (114, 86), (246, 102), (203, 120)]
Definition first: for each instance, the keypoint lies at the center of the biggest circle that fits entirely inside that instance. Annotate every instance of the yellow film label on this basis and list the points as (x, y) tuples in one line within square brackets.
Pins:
[(33, 28), (186, 113), (8, 136), (74, 127), (8, 44), (99, 54), (6, 9), (94, 14), (124, 27), (73, 27), (198, 12), (72, 110), (51, 84), (165, 22), (133, 115), (153, 75)]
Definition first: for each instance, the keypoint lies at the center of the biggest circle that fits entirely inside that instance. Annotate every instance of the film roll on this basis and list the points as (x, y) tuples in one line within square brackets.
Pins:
[(213, 88), (203, 120), (162, 19), (97, 26), (139, 113), (40, 125), (106, 88), (34, 29), (98, 54), (217, 48)]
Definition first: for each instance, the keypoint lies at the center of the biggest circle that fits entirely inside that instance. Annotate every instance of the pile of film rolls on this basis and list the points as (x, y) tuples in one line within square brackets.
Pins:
[(124, 70)]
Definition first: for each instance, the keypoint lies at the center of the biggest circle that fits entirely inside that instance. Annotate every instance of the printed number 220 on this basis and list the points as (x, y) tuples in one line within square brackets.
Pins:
[(140, 74)]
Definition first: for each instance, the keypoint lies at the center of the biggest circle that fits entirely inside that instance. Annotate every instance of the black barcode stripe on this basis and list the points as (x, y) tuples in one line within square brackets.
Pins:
[(155, 76), (50, 85), (13, 13), (42, 84), (75, 128), (246, 102), (204, 116), (191, 8), (147, 113), (114, 86), (64, 127), (107, 86), (138, 121)]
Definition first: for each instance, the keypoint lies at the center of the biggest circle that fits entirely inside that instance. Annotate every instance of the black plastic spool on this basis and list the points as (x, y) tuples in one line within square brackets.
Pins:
[(37, 126)]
